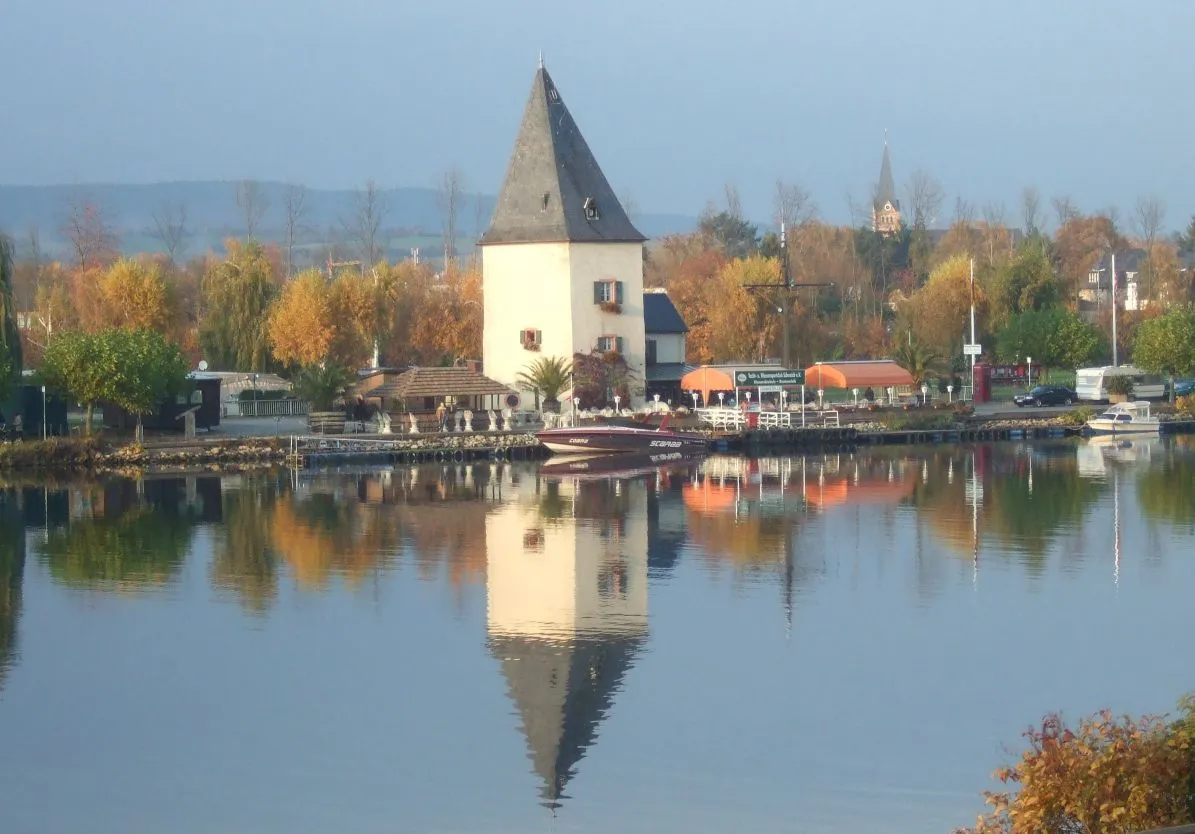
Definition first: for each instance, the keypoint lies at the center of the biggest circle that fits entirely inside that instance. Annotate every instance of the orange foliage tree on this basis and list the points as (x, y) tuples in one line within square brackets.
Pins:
[(1107, 775), (130, 295), (939, 311), (1079, 243), (301, 325)]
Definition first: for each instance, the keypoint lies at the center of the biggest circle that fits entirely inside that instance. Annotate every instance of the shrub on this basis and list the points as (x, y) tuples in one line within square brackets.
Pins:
[(1078, 416), (902, 421), (1120, 385), (1107, 774), (248, 394), (1185, 406)]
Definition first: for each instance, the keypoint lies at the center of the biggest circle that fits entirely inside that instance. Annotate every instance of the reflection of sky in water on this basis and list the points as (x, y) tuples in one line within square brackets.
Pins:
[(809, 645)]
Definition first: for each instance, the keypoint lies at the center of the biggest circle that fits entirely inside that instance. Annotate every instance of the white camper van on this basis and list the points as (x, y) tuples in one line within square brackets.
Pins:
[(1091, 383)]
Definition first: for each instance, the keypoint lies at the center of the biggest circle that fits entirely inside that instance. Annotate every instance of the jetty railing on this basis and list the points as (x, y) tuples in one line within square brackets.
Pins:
[(266, 408)]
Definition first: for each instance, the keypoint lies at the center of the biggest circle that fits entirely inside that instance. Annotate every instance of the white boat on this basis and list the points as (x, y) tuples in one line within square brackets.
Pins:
[(1125, 418)]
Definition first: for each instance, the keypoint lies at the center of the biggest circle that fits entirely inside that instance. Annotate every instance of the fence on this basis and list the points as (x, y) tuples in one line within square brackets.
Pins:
[(266, 408)]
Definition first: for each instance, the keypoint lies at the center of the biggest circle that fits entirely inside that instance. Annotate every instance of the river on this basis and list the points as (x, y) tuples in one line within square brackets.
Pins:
[(849, 642)]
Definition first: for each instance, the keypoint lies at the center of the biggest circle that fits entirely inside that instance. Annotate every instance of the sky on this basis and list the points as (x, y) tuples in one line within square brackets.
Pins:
[(677, 99)]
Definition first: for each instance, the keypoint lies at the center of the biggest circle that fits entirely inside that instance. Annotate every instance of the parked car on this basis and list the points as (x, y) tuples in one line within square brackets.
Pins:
[(1047, 395), (1182, 388)]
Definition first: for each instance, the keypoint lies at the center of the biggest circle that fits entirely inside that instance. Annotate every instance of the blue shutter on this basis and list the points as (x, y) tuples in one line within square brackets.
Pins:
[(618, 291), (597, 292)]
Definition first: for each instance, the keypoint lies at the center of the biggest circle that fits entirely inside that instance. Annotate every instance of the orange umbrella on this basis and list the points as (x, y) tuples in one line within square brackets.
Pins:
[(706, 379)]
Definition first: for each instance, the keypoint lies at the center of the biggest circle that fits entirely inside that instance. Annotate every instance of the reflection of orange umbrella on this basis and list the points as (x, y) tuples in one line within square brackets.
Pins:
[(842, 491), (708, 497), (706, 379)]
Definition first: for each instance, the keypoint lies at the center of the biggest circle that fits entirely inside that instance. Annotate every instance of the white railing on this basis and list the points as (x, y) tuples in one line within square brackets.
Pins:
[(775, 420), (721, 418), (266, 408), (830, 418)]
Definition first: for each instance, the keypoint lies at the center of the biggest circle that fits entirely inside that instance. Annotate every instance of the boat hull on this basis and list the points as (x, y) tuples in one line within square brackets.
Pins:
[(1110, 427), (587, 441)]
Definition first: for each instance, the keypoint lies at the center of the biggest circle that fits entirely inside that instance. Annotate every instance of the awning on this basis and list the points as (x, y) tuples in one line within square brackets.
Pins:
[(667, 371), (876, 373), (706, 379)]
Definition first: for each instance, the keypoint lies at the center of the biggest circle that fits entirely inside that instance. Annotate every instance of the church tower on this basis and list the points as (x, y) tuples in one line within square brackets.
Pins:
[(885, 208), (562, 264)]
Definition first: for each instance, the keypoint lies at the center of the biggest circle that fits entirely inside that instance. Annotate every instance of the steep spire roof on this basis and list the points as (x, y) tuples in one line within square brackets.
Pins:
[(562, 690), (554, 190), (886, 188)]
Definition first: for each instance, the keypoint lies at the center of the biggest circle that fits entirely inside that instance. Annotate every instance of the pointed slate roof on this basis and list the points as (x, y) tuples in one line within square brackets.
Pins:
[(562, 690), (551, 176), (886, 188)]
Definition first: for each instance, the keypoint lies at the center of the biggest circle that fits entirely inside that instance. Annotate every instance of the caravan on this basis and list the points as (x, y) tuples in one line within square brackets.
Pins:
[(1091, 383)]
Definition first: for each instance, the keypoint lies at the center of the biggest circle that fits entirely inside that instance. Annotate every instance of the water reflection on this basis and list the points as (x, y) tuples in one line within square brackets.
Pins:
[(12, 574), (570, 561)]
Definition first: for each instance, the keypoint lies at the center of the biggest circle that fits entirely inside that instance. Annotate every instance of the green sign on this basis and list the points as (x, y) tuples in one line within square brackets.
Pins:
[(751, 379)]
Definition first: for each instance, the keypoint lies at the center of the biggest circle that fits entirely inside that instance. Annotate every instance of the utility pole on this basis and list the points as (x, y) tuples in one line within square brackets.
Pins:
[(788, 288), (972, 287), (1114, 349)]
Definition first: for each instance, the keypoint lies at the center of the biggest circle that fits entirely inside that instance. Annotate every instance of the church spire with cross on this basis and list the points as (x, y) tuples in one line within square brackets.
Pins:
[(885, 207)]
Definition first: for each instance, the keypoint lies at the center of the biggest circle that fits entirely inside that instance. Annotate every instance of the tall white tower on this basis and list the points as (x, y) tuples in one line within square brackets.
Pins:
[(562, 263)]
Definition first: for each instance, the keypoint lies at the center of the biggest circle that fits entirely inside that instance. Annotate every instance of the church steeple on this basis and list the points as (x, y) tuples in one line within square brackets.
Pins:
[(554, 190), (885, 208)]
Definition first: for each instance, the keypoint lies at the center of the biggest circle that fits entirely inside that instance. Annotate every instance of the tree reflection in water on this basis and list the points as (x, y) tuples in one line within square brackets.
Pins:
[(1166, 489), (12, 573), (126, 535)]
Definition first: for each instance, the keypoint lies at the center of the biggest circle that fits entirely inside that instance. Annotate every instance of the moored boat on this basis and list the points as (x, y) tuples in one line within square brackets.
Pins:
[(1125, 418), (621, 437)]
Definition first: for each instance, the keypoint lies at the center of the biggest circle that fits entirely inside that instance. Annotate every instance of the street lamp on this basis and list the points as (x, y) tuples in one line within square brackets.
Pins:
[(950, 392), (43, 412), (722, 399), (693, 394), (924, 394), (1029, 371)]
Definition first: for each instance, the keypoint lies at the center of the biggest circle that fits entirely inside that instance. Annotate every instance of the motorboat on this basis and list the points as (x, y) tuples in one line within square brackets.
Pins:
[(1125, 418), (621, 436)]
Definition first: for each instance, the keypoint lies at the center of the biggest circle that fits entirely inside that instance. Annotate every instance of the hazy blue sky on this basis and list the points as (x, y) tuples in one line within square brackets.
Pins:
[(1086, 97)]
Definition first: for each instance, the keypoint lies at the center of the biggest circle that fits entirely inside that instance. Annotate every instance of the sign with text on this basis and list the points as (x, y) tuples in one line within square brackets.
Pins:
[(782, 376), (972, 350)]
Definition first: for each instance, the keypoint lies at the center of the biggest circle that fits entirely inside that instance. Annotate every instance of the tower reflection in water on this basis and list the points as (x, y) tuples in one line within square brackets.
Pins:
[(568, 559)]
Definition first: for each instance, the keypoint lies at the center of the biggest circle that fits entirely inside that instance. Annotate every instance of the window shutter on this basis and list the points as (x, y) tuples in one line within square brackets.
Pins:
[(597, 292), (618, 344), (618, 291)]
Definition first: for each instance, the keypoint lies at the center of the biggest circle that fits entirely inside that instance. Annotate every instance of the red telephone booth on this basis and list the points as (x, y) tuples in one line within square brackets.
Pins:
[(981, 382)]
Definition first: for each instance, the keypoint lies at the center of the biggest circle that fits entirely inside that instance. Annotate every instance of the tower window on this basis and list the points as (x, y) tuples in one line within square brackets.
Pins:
[(591, 212), (547, 199)]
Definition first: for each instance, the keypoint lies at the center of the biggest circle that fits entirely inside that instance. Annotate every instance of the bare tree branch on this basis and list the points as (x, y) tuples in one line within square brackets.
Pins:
[(964, 211), (92, 237), (1148, 216), (170, 229), (1065, 209), (793, 206), (294, 206), (734, 204), (449, 193), (364, 228), (925, 197), (1030, 211), (253, 203)]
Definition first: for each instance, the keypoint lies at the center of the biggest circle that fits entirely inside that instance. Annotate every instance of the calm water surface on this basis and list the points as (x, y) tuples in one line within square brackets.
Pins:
[(840, 643)]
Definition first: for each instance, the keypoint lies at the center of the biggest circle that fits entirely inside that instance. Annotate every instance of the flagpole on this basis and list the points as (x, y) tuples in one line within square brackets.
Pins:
[(972, 317)]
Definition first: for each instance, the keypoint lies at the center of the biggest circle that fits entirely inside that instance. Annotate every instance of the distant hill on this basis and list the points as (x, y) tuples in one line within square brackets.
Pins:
[(413, 215)]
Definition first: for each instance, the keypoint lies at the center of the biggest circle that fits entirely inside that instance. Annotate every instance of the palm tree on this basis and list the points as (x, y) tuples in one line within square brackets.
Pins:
[(920, 360), (548, 377), (322, 385)]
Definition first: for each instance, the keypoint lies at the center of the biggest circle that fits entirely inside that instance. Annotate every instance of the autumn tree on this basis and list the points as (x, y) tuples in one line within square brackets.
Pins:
[(237, 293), (1079, 243), (446, 324), (741, 325), (1026, 283), (1149, 214), (354, 308), (938, 313), (1107, 774), (129, 294), (301, 325)]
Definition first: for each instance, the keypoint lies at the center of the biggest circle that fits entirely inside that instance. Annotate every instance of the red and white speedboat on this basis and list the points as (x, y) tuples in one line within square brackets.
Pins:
[(621, 437)]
